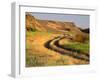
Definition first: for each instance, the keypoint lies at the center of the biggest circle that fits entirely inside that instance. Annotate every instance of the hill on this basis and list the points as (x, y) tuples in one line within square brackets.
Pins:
[(34, 24)]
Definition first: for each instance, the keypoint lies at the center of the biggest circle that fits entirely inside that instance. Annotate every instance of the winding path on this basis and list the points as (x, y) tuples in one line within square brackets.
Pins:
[(54, 45)]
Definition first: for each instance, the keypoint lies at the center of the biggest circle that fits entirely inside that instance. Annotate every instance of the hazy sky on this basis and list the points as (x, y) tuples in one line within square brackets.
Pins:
[(80, 20)]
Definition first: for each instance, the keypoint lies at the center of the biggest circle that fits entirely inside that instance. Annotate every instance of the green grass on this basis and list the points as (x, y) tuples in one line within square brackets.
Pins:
[(78, 47)]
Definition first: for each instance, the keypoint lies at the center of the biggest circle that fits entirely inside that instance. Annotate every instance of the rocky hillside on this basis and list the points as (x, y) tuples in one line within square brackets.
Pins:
[(34, 24)]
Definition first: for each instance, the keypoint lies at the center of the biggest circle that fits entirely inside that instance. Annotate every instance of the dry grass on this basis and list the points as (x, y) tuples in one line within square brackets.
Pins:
[(38, 55)]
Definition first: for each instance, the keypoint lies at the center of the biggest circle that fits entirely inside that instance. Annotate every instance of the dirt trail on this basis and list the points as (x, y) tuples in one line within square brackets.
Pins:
[(54, 45)]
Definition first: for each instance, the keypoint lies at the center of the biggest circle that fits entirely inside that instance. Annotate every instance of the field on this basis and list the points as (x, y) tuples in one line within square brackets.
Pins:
[(76, 46), (55, 43), (38, 55)]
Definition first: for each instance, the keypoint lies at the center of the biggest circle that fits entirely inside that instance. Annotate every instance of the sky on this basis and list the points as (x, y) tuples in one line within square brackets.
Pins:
[(81, 21)]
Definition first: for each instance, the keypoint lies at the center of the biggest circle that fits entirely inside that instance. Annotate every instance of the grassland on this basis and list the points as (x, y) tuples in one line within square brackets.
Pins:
[(77, 46), (39, 32), (38, 55)]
